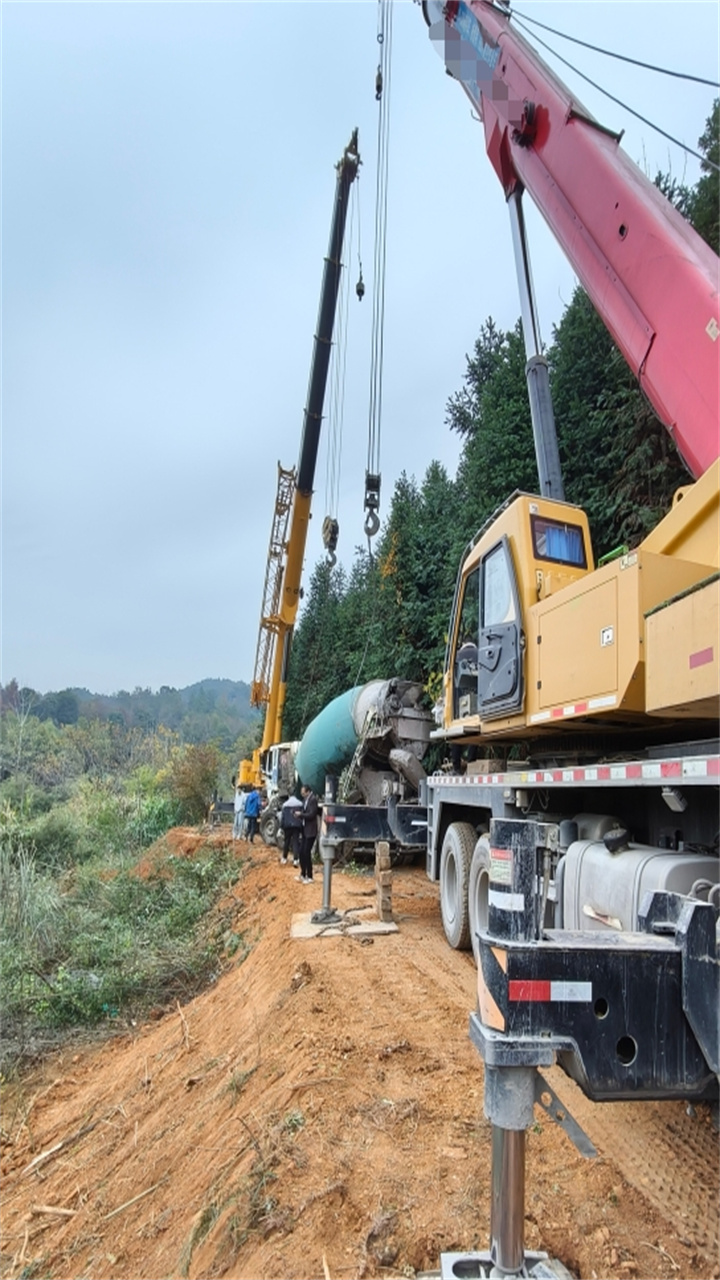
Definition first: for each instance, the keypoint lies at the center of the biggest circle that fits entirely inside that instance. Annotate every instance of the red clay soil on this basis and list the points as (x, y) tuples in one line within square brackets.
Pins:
[(318, 1112)]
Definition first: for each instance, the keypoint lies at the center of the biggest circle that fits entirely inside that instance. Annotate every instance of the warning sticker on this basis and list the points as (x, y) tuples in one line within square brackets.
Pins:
[(501, 861)]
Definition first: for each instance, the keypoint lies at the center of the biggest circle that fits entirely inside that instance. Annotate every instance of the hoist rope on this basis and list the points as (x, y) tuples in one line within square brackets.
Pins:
[(710, 164), (336, 412), (369, 628), (318, 648), (608, 53), (359, 230), (383, 94)]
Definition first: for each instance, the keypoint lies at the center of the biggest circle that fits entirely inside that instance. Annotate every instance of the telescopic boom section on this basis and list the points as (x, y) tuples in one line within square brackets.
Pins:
[(651, 278), (305, 475)]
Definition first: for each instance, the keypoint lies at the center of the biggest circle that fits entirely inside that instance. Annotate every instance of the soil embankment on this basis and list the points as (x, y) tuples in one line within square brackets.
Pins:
[(318, 1112)]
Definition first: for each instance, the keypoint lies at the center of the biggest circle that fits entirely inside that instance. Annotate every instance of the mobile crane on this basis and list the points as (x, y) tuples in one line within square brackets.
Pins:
[(271, 763), (585, 875)]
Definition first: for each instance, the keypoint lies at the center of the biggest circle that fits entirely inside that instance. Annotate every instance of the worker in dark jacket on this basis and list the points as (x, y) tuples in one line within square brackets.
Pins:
[(291, 816), (309, 834)]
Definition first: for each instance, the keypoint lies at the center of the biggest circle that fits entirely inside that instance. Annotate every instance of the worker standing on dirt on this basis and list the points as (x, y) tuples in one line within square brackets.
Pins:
[(252, 812), (309, 834), (239, 813), (291, 820)]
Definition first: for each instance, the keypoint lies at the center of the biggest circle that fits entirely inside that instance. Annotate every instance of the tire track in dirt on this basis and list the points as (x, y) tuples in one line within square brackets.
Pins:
[(668, 1153)]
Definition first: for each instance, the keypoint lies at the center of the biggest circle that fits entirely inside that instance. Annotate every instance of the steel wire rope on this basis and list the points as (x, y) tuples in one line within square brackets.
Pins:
[(316, 646), (359, 240), (383, 95), (336, 415), (619, 102), (370, 623), (608, 53)]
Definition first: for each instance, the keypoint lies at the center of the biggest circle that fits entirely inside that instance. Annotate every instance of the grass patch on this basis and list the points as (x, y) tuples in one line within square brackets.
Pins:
[(96, 945), (238, 1080), (206, 1219)]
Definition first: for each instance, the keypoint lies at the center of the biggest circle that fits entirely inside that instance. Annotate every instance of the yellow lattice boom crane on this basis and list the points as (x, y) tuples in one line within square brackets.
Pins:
[(288, 536)]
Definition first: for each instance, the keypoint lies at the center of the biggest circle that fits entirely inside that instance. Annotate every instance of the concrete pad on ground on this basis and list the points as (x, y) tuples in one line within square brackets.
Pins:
[(301, 926)]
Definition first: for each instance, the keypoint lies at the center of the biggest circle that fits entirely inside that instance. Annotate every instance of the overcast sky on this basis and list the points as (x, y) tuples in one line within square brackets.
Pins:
[(168, 180)]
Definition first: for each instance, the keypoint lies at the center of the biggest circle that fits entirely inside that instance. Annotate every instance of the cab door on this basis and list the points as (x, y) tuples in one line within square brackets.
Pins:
[(501, 639)]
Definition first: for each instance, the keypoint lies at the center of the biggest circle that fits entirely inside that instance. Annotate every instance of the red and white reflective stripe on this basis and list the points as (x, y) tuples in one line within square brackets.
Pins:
[(574, 709), (550, 992), (634, 772)]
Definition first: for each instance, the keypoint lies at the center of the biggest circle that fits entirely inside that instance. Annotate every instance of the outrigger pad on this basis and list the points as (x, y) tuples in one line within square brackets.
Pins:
[(480, 1266)]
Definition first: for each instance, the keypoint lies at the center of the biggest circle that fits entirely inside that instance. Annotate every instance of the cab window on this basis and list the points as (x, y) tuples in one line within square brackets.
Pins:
[(498, 597), (559, 542), (470, 610), (465, 669)]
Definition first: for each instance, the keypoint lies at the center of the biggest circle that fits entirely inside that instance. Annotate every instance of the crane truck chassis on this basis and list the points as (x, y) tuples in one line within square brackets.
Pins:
[(580, 858), (593, 950)]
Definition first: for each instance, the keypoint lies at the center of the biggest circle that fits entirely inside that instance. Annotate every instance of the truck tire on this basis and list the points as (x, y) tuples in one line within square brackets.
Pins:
[(455, 858), (478, 889), (269, 827)]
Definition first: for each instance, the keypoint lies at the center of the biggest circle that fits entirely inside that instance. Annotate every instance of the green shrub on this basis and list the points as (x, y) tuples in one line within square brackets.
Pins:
[(154, 815), (193, 778), (30, 931), (56, 837), (114, 943), (27, 798)]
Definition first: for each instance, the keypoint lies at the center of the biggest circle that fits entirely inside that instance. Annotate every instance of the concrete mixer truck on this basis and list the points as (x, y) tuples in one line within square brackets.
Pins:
[(364, 753)]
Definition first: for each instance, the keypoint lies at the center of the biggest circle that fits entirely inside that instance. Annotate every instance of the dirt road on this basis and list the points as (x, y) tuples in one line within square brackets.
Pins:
[(319, 1112)]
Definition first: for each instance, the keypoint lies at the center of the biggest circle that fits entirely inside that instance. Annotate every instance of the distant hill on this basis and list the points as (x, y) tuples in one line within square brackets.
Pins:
[(211, 709)]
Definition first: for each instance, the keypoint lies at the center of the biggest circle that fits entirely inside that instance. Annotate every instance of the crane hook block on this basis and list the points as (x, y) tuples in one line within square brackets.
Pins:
[(330, 535), (372, 503), (360, 288), (378, 85)]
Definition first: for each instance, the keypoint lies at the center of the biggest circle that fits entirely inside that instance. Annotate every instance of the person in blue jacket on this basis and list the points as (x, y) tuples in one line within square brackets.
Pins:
[(252, 813)]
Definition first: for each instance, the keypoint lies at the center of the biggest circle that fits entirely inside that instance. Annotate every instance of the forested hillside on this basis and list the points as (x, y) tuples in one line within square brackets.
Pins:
[(88, 783), (387, 615), (170, 749), (209, 709)]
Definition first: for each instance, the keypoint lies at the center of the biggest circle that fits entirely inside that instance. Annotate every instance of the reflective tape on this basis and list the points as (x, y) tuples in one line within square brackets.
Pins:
[(506, 901), (549, 992)]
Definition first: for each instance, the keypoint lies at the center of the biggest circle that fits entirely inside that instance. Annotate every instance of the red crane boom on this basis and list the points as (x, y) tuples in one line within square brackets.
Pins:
[(651, 278)]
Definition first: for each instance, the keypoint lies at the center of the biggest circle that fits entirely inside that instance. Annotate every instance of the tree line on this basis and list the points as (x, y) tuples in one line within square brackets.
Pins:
[(211, 709), (387, 614)]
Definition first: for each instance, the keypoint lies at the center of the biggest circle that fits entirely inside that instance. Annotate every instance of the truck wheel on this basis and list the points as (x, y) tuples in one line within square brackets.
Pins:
[(455, 858), (269, 827), (478, 888)]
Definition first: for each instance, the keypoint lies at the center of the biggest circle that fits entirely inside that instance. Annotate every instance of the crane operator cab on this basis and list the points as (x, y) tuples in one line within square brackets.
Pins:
[(530, 549)]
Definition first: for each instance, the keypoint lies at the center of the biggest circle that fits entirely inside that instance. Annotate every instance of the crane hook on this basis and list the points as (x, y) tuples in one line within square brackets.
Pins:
[(360, 287), (378, 85), (330, 535), (372, 523)]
